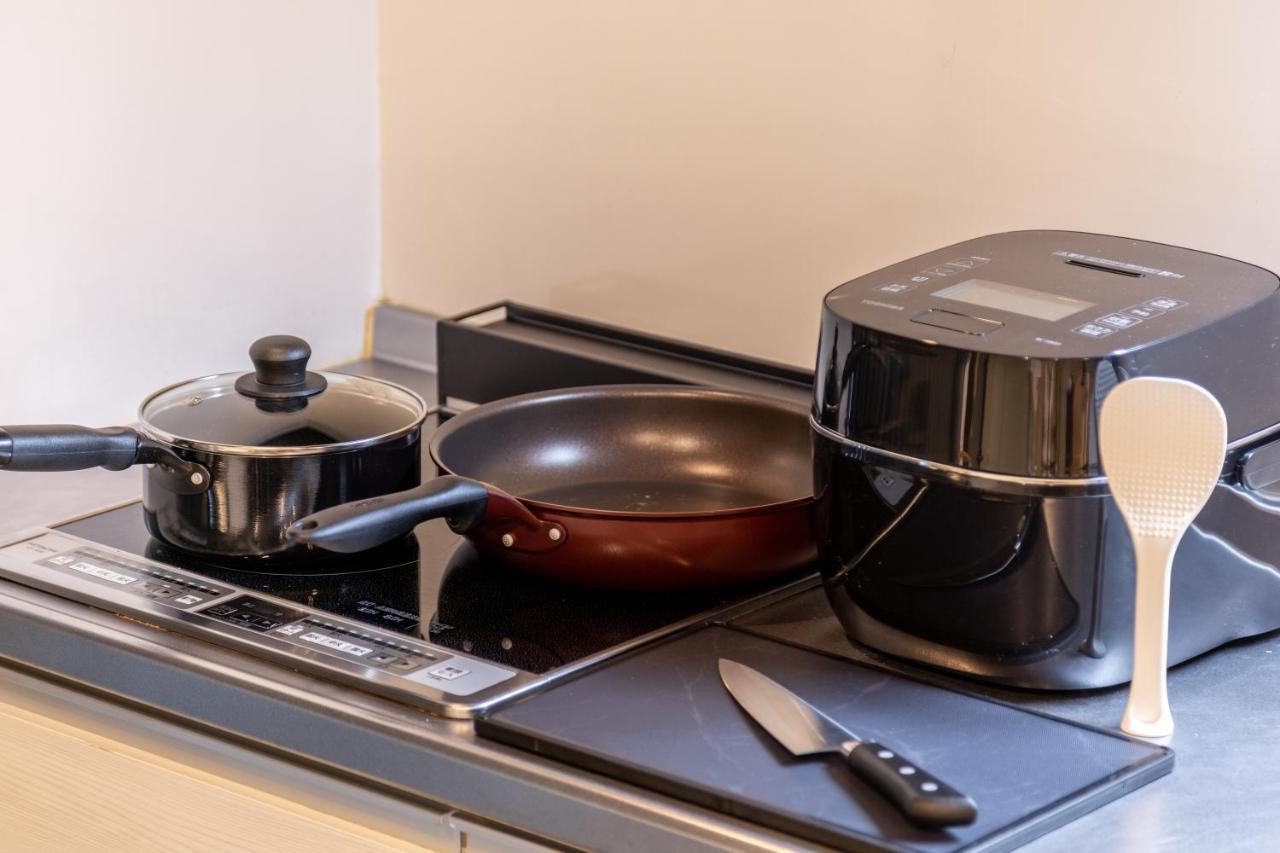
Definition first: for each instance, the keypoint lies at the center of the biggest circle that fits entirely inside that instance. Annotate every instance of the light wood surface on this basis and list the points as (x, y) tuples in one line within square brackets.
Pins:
[(70, 789)]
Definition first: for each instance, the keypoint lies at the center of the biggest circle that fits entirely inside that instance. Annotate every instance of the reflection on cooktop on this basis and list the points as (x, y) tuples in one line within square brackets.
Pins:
[(379, 589), (434, 585), (536, 625)]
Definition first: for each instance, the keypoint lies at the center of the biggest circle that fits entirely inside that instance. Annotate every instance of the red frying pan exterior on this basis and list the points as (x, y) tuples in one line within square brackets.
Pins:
[(636, 552)]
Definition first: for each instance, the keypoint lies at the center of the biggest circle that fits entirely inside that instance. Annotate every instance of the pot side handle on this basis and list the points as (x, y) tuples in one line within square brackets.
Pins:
[(61, 447), (361, 525)]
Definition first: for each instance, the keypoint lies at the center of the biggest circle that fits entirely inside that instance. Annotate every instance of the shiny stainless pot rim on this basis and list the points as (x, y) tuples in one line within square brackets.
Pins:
[(1013, 484), (256, 451)]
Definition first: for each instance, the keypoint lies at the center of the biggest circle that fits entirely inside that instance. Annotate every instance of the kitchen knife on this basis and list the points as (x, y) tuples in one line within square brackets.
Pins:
[(805, 730)]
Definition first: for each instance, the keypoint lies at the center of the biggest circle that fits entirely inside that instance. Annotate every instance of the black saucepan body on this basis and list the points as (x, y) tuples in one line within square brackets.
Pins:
[(234, 459), (252, 500)]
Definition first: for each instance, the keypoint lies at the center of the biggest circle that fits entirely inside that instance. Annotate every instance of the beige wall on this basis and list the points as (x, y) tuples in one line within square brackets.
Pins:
[(177, 179), (710, 168)]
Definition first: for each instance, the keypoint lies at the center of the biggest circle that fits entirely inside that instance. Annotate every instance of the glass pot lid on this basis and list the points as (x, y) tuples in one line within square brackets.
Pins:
[(281, 409)]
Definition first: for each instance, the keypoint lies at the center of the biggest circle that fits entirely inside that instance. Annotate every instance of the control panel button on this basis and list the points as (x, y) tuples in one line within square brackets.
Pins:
[(253, 613), (963, 323), (1093, 330), (1143, 312), (104, 574), (402, 665), (1165, 303), (895, 287), (337, 645), (919, 279), (448, 672), (1119, 321)]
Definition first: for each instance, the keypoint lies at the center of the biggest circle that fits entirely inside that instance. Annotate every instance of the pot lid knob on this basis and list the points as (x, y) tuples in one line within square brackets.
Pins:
[(280, 370)]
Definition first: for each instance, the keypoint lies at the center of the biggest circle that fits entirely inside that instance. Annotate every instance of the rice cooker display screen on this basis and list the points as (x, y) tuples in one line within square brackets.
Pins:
[(1019, 300)]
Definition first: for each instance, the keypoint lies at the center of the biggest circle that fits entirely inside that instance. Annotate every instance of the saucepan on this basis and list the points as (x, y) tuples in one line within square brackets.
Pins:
[(233, 459), (639, 487)]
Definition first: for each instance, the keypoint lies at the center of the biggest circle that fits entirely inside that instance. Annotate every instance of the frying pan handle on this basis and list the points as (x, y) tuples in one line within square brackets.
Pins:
[(60, 447), (468, 505)]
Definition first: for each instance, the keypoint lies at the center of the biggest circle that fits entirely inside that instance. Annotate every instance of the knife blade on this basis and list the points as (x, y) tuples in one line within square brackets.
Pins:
[(804, 730)]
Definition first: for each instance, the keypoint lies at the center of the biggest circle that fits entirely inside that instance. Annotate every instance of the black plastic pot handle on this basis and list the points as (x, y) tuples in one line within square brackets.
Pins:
[(59, 447), (361, 525)]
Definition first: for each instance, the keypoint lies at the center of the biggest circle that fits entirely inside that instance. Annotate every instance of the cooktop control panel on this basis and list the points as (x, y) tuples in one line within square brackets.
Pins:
[(347, 641), (305, 639), (156, 582)]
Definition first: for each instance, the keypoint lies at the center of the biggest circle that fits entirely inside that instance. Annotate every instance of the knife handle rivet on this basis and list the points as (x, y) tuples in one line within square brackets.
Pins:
[(929, 787), (884, 753), (907, 770)]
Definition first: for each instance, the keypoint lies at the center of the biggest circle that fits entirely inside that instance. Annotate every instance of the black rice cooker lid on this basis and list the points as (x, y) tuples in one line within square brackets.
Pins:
[(281, 408), (1052, 294)]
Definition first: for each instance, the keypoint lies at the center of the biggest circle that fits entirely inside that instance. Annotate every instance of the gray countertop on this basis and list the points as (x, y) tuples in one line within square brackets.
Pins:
[(1221, 795)]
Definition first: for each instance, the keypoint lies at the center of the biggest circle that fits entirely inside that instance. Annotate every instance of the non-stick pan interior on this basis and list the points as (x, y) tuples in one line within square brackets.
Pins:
[(655, 449)]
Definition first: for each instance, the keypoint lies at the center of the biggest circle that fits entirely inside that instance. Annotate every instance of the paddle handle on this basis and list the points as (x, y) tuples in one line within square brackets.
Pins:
[(1147, 714)]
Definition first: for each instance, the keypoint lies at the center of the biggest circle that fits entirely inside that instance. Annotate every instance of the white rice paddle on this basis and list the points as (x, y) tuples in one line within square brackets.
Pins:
[(1162, 443)]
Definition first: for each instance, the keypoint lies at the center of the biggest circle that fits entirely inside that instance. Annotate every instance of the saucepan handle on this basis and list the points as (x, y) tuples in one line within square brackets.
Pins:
[(468, 505), (59, 447)]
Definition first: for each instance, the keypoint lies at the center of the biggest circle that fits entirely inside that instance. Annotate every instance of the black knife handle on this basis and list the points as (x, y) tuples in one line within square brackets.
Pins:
[(923, 799)]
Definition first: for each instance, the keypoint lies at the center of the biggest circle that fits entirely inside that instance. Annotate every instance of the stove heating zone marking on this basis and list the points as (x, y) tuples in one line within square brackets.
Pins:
[(384, 616)]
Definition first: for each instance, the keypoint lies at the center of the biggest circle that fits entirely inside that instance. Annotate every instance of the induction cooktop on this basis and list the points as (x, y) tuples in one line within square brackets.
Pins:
[(426, 620)]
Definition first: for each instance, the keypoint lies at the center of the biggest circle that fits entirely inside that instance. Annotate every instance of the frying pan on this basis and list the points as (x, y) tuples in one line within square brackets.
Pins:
[(641, 487)]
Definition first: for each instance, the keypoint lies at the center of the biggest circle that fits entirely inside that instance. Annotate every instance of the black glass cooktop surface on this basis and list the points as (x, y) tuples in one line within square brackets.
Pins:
[(435, 586)]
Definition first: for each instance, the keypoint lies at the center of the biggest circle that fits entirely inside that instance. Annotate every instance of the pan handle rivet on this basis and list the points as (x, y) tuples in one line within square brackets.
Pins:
[(197, 478), (508, 540), (554, 534)]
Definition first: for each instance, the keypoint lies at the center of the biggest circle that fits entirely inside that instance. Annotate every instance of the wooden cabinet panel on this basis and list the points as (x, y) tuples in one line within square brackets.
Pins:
[(65, 788)]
